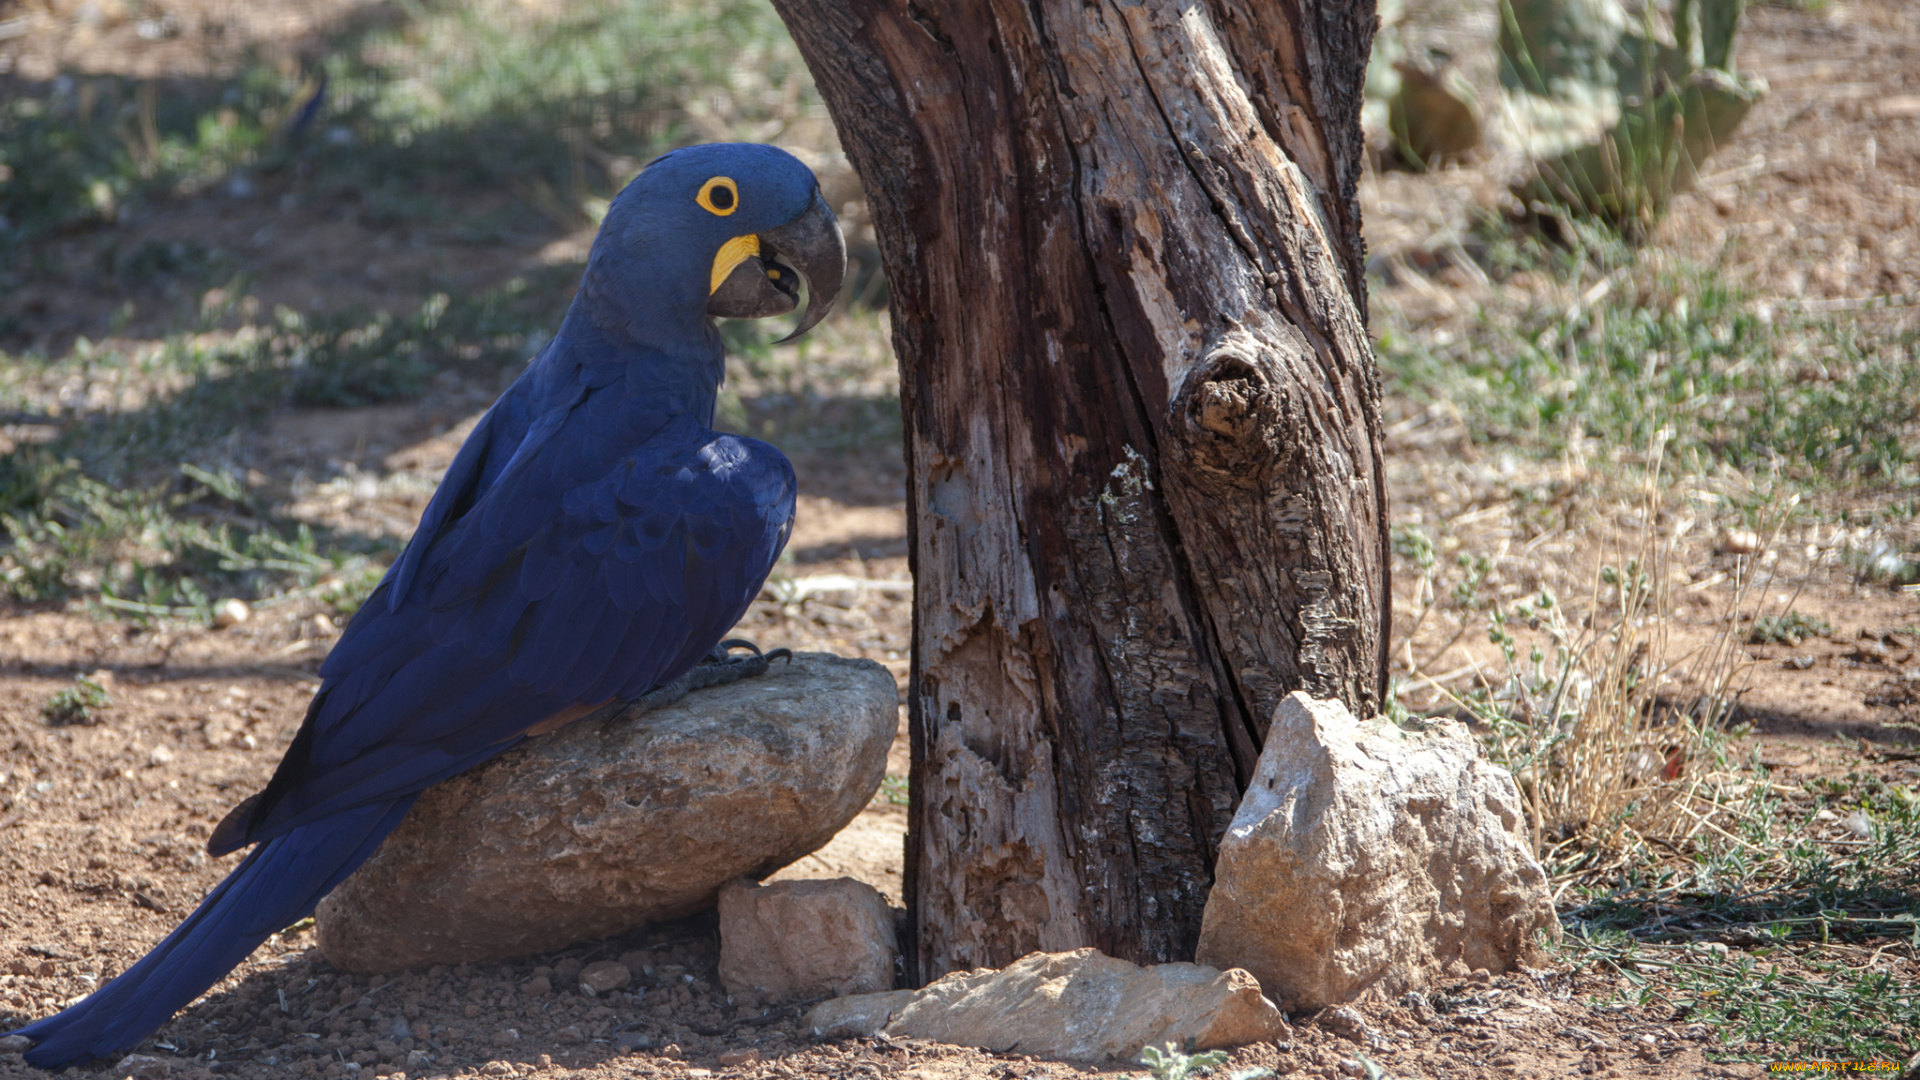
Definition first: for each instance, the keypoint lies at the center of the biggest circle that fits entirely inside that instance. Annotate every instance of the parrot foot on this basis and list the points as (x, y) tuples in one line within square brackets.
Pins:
[(718, 668)]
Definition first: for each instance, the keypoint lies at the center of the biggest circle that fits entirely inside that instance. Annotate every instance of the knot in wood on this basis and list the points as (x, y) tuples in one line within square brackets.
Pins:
[(1226, 408), (1232, 416)]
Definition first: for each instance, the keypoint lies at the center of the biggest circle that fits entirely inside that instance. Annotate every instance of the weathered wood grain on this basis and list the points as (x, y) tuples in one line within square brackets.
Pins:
[(1142, 433)]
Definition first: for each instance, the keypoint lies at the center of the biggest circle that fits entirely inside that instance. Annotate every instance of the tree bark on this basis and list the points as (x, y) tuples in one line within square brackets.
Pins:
[(1142, 433)]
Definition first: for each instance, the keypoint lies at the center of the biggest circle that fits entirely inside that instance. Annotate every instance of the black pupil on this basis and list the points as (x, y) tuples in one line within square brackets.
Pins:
[(722, 198)]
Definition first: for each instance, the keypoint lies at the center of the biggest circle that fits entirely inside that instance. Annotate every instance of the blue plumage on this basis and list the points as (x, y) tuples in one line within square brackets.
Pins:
[(593, 539)]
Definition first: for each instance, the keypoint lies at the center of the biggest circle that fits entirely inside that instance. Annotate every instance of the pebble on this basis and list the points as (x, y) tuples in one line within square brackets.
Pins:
[(603, 976), (1347, 1024), (731, 1058), (536, 987), (230, 612)]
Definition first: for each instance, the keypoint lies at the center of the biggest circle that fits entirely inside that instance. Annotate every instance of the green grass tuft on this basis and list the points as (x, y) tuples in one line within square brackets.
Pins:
[(75, 704)]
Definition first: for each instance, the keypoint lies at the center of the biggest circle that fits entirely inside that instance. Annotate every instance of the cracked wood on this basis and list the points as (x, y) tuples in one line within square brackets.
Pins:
[(1142, 433)]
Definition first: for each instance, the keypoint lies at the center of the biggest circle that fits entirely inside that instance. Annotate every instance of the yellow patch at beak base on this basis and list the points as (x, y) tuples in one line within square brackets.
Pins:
[(732, 254)]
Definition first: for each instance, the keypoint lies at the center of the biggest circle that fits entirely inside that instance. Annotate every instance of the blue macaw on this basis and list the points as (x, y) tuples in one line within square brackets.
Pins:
[(592, 541)]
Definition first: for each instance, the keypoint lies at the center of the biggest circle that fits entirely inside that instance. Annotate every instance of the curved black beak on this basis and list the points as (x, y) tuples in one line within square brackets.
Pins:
[(811, 245)]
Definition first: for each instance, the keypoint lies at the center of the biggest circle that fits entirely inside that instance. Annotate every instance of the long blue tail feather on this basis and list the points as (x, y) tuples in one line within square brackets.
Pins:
[(278, 884)]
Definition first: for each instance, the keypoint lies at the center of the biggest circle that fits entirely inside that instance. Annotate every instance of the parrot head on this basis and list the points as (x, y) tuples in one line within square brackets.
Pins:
[(731, 228)]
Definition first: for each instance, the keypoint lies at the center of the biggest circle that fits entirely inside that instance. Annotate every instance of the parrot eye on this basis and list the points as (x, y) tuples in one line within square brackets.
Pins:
[(719, 195)]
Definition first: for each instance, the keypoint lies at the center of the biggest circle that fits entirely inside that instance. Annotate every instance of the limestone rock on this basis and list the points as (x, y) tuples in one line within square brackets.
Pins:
[(1074, 1006), (1366, 861), (794, 940), (857, 1015), (594, 830)]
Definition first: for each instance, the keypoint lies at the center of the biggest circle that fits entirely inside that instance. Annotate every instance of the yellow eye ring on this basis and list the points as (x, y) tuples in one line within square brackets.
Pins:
[(719, 195)]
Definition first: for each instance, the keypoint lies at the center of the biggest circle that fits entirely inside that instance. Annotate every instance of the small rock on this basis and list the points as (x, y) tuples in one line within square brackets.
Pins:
[(1648, 1048), (230, 612), (15, 1044), (1347, 1024), (597, 829), (1351, 1067), (418, 1061), (796, 940), (1365, 860), (1739, 542), (496, 1068), (604, 976), (1075, 1006), (566, 971), (731, 1058), (143, 1067), (536, 987)]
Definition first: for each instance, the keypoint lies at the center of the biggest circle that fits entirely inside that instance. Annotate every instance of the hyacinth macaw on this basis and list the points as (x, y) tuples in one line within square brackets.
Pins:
[(592, 541)]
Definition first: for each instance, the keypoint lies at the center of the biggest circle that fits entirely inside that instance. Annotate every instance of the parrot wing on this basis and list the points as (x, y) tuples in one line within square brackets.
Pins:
[(576, 578)]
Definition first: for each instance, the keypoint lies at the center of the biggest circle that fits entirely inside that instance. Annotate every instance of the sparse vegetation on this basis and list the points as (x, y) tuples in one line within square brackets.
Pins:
[(1789, 629), (1170, 1064), (1645, 351), (94, 511), (76, 703)]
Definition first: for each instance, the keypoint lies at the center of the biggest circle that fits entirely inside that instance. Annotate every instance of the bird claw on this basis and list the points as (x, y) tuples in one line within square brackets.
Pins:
[(718, 668), (723, 652)]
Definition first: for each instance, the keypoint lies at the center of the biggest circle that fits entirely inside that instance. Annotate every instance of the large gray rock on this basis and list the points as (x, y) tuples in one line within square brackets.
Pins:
[(1365, 861), (595, 829), (1073, 1006)]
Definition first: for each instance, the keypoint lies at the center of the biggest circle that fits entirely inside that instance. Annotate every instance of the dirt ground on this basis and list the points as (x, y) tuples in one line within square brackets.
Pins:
[(103, 825)]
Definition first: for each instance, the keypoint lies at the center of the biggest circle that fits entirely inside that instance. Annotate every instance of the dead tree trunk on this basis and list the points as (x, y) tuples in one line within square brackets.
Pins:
[(1142, 434)]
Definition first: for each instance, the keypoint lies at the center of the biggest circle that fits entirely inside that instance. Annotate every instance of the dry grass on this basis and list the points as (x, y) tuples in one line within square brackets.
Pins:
[(1615, 734)]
